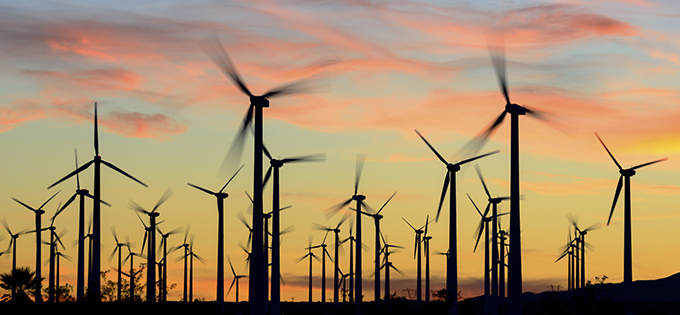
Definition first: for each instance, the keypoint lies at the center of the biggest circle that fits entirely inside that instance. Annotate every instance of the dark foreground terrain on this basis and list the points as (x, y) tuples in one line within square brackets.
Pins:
[(645, 297)]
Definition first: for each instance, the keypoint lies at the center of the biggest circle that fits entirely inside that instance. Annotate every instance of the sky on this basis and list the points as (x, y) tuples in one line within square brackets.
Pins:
[(167, 116)]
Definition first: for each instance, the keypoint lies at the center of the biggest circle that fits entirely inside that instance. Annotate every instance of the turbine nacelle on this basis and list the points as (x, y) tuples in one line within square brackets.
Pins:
[(276, 163), (259, 101), (515, 109), (359, 198), (453, 167), (83, 192), (221, 195), (627, 172)]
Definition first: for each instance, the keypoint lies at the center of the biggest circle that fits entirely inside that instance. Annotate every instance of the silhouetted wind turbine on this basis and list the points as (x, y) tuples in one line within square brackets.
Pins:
[(450, 182), (212, 46), (493, 202), (80, 290), (582, 240), (324, 253), (94, 281), (310, 255), (220, 195), (502, 236), (387, 264), (358, 295), (38, 229), (13, 242), (376, 218), (58, 256), (568, 249), (131, 255), (164, 247), (336, 231), (351, 240), (515, 258), (192, 255), (236, 278), (275, 165), (55, 240), (185, 245), (151, 256), (118, 247), (417, 250), (627, 230), (483, 227)]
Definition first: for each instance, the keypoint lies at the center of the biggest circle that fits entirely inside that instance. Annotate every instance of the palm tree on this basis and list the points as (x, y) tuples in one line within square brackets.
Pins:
[(22, 280)]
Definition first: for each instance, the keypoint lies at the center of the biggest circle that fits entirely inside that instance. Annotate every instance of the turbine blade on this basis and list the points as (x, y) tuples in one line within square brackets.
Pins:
[(235, 152), (321, 157), (441, 199), (481, 178), (616, 197), (477, 157), (361, 158), (212, 46), (48, 200), (232, 177), (473, 203), (388, 200), (266, 177), (497, 53), (610, 154), (201, 189), (308, 84), (96, 131), (123, 172), (650, 163), (167, 194), (432, 148)]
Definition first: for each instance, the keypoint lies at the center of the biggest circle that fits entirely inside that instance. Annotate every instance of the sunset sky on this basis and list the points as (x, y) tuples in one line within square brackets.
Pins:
[(167, 116)]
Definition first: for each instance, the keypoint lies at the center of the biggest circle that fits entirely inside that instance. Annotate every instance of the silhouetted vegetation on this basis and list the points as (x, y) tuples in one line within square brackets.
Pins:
[(24, 283)]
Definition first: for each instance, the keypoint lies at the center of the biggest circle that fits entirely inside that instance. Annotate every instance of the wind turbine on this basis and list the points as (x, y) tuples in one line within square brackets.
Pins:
[(80, 291), (502, 236), (324, 253), (310, 255), (358, 295), (493, 202), (13, 242), (627, 230), (388, 264), (212, 46), (376, 218), (94, 281), (276, 165), (351, 240), (418, 250), (450, 182), (58, 256), (220, 195), (164, 247), (185, 245), (515, 258), (336, 231), (582, 240), (236, 278), (38, 213), (568, 249), (131, 255), (151, 256), (426, 243), (118, 247), (54, 238), (191, 255)]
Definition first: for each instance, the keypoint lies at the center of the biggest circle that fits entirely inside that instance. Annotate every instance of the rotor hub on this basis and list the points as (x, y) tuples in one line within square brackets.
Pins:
[(154, 214), (627, 172), (259, 101), (378, 216), (359, 197), (276, 163), (453, 167), (40, 212), (515, 109)]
